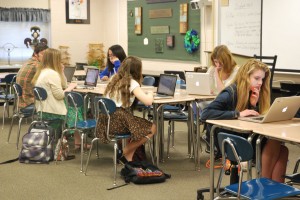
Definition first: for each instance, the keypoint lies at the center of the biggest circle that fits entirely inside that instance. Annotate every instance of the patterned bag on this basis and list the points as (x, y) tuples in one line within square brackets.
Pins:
[(37, 144)]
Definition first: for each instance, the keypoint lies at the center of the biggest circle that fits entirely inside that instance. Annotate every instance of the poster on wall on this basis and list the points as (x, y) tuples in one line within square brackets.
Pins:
[(78, 11)]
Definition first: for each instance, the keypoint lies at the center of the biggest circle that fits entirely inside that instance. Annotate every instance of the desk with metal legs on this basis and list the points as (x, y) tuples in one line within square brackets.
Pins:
[(159, 120), (284, 131)]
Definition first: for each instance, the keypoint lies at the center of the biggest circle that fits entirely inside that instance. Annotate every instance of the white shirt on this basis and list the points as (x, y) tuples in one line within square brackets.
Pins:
[(133, 85)]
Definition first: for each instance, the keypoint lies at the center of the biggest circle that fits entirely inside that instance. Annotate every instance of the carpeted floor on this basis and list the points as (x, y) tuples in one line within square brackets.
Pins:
[(64, 181)]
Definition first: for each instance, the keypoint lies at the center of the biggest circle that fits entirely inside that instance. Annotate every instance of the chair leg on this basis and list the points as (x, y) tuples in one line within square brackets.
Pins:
[(115, 163), (89, 155), (3, 114), (151, 153), (173, 133), (81, 153), (18, 137), (169, 138), (10, 128)]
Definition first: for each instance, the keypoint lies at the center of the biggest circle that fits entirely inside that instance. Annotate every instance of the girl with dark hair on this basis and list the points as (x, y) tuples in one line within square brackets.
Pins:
[(115, 56)]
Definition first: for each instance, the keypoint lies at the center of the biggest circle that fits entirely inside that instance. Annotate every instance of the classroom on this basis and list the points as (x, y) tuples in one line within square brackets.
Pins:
[(162, 37)]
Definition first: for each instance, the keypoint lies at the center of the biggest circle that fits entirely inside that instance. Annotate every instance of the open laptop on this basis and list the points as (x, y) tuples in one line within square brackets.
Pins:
[(283, 108), (166, 86), (91, 78), (69, 73), (198, 83)]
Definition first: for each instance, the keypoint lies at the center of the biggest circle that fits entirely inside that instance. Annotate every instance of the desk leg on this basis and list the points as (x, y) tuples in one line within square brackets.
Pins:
[(212, 163), (156, 137), (192, 133), (198, 143), (249, 170), (258, 156), (160, 111)]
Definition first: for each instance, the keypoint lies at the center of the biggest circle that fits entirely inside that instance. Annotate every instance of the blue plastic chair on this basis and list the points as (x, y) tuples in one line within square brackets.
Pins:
[(20, 113), (107, 107), (237, 149), (40, 95), (76, 101), (7, 96)]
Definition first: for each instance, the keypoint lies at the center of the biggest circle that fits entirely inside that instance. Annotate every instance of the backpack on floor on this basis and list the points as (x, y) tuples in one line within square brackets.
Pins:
[(142, 172), (37, 144)]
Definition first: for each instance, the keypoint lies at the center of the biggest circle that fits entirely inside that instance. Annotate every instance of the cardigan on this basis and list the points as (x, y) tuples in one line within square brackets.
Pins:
[(50, 80)]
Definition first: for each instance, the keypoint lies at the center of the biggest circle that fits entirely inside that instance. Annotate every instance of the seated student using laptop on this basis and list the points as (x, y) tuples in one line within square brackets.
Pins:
[(249, 94), (122, 89), (115, 56), (50, 76)]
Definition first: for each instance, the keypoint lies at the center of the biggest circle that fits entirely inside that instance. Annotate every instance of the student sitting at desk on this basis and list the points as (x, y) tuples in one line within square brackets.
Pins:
[(222, 72), (50, 76), (249, 94), (223, 69), (115, 56), (122, 89), (26, 73)]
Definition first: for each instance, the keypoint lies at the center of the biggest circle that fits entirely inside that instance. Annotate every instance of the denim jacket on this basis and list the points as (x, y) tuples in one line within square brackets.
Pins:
[(223, 107)]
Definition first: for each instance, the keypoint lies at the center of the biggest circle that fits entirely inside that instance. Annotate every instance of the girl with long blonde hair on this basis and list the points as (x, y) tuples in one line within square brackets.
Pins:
[(249, 95)]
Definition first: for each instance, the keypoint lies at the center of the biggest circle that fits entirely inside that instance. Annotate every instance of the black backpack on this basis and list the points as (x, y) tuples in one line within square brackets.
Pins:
[(142, 172)]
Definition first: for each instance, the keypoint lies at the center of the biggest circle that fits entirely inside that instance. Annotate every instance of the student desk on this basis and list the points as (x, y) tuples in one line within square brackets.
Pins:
[(158, 115), (283, 130), (198, 100)]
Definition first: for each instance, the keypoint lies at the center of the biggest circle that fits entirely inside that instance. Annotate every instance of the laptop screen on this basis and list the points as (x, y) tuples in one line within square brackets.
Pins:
[(91, 77), (167, 84), (69, 73)]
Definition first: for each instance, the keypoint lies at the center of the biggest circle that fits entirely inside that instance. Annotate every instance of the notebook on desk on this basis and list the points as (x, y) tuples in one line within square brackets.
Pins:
[(91, 78), (198, 83), (283, 108), (166, 86), (69, 73)]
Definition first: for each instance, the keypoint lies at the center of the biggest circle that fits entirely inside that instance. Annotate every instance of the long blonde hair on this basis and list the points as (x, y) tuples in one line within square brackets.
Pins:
[(118, 87), (52, 60), (242, 80), (224, 56)]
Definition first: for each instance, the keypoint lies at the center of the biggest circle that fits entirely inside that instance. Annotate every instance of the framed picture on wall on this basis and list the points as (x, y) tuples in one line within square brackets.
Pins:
[(78, 11)]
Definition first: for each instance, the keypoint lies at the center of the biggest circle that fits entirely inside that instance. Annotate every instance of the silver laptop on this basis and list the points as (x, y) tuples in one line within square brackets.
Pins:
[(198, 83), (91, 78), (69, 73), (166, 86), (283, 108)]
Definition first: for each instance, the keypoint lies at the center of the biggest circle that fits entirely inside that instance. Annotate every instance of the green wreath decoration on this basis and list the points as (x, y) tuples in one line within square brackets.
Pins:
[(191, 41)]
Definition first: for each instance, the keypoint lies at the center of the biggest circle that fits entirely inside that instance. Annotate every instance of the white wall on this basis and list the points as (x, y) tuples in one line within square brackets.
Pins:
[(108, 26)]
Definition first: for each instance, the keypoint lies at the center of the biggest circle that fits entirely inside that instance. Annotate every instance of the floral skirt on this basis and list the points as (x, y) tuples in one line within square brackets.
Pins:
[(123, 121)]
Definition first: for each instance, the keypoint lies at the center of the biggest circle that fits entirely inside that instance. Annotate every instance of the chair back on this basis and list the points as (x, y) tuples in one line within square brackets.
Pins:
[(107, 107), (40, 94), (181, 74), (270, 61), (18, 91), (9, 80), (235, 148), (74, 100), (148, 80)]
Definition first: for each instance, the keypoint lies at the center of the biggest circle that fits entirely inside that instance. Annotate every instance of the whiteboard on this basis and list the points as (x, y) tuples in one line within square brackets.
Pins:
[(239, 25), (281, 32)]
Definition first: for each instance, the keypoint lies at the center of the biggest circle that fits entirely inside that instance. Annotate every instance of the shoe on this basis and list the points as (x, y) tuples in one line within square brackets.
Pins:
[(121, 158)]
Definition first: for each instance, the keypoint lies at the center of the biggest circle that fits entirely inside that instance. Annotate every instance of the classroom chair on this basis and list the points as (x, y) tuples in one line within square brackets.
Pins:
[(75, 100), (238, 149), (19, 113), (7, 96), (270, 61), (40, 95), (106, 107)]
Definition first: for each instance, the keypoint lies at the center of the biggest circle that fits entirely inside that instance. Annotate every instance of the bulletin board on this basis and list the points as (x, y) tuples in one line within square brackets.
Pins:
[(157, 43)]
